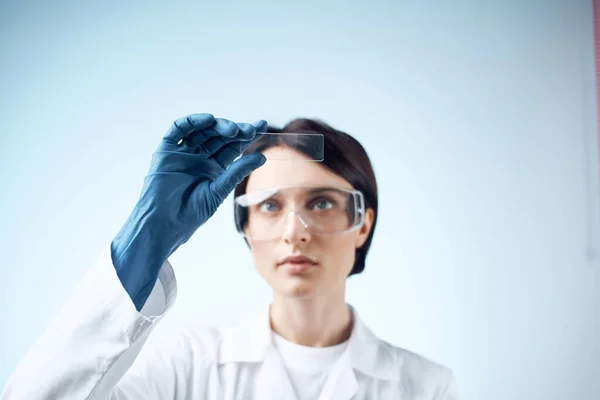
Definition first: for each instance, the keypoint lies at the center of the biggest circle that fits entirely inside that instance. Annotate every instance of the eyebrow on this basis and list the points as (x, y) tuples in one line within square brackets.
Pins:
[(319, 190)]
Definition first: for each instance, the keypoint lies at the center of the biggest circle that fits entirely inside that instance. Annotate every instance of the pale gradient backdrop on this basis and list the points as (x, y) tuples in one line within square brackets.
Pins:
[(479, 117)]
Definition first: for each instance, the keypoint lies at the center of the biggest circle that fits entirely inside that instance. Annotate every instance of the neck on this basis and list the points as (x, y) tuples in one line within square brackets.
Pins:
[(313, 322)]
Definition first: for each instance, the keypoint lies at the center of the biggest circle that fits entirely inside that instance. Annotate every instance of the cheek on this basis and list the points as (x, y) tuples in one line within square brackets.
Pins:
[(341, 253), (262, 255)]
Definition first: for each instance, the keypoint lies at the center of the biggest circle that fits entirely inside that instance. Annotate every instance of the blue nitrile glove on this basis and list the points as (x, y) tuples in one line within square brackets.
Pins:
[(190, 176)]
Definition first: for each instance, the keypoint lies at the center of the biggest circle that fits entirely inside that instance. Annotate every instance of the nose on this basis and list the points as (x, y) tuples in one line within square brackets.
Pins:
[(295, 229)]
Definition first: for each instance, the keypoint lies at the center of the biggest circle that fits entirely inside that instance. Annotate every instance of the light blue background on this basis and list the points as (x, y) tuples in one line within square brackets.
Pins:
[(479, 117)]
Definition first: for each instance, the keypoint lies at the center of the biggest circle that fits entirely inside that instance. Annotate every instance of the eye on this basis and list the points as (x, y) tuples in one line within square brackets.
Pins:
[(321, 204), (268, 206)]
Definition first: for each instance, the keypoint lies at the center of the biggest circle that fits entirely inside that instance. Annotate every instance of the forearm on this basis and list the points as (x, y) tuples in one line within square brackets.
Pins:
[(92, 341), (138, 253)]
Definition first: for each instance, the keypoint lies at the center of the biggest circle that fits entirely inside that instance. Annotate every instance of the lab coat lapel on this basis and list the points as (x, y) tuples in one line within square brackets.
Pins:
[(251, 341), (341, 383), (273, 382), (365, 354)]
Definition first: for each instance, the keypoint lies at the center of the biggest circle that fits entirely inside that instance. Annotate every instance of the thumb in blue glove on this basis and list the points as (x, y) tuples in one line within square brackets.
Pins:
[(225, 183), (192, 172)]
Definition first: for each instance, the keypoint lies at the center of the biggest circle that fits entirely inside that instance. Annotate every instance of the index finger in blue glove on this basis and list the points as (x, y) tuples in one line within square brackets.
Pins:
[(184, 126), (246, 132), (250, 131), (221, 129), (260, 127), (229, 138), (215, 137)]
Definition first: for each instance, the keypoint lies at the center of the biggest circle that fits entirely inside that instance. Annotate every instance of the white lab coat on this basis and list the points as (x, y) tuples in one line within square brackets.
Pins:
[(97, 348)]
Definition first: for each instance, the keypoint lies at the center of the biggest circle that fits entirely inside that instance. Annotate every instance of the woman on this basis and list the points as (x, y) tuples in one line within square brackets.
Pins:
[(308, 225)]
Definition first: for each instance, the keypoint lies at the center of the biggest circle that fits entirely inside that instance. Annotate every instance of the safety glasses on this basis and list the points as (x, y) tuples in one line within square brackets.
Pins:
[(267, 214)]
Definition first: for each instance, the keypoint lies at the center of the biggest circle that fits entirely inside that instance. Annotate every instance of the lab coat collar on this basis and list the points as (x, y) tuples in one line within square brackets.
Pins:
[(251, 341)]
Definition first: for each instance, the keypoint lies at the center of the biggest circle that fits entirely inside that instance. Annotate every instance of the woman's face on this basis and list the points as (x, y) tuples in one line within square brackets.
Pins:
[(333, 254)]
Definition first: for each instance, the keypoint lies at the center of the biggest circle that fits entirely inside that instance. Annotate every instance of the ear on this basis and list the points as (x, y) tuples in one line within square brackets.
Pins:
[(365, 229)]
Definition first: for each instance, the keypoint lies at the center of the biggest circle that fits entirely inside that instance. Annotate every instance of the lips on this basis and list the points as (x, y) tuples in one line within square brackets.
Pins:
[(297, 260), (296, 265)]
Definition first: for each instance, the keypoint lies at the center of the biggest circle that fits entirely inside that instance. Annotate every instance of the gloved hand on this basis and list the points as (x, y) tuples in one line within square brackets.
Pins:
[(190, 176)]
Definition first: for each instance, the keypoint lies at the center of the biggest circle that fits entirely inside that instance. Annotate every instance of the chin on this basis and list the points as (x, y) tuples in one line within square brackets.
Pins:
[(297, 289)]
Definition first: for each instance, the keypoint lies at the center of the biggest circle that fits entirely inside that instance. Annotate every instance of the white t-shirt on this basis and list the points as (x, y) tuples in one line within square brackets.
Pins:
[(307, 367)]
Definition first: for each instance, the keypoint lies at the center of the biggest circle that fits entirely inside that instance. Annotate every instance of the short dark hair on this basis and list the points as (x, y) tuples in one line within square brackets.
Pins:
[(343, 155)]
